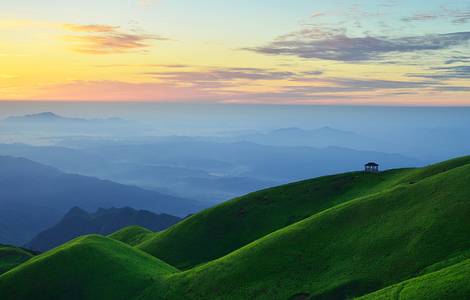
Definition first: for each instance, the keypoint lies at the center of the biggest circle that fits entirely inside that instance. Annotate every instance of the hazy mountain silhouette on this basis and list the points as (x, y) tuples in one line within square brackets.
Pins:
[(204, 170), (78, 222), (52, 117), (319, 138), (34, 197)]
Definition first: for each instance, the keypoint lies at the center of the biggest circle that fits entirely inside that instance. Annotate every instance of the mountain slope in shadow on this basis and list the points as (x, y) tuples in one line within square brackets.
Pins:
[(78, 222)]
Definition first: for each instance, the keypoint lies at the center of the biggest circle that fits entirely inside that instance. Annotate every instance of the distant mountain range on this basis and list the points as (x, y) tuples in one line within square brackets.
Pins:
[(78, 222), (318, 138), (33, 197), (45, 117), (47, 125), (204, 170)]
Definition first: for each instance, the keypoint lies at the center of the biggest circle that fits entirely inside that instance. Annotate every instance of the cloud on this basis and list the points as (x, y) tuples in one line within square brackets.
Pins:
[(419, 17), (320, 90), (455, 16), (223, 74), (455, 71), (454, 88), (109, 90), (346, 86), (305, 84), (106, 39), (91, 28), (317, 15), (333, 45), (167, 66), (302, 84), (457, 59), (445, 73)]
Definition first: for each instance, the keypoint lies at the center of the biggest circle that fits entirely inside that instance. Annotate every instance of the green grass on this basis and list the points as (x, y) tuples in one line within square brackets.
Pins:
[(399, 233), (89, 267), (222, 229), (451, 283), (11, 257), (132, 235), (346, 251)]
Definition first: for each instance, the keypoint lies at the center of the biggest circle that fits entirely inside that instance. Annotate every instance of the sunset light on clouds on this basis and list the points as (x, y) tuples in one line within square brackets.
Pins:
[(389, 52)]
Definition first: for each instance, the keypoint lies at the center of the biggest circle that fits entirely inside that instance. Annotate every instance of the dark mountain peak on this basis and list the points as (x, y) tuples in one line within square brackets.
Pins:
[(327, 128), (44, 115), (76, 211), (104, 221), (287, 130), (50, 117)]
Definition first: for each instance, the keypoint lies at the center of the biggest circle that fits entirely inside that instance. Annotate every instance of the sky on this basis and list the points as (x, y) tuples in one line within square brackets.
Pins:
[(381, 52)]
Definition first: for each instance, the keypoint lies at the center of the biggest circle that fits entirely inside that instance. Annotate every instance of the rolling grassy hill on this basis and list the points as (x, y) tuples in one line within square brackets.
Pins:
[(11, 257), (218, 231), (345, 251), (89, 267), (78, 222), (402, 232), (449, 283), (132, 235)]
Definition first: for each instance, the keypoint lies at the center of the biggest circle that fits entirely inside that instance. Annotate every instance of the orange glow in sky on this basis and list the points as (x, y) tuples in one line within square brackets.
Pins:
[(382, 52)]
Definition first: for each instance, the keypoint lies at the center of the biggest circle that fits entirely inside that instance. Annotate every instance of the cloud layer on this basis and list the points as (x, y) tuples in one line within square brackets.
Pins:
[(456, 16), (106, 39), (340, 47)]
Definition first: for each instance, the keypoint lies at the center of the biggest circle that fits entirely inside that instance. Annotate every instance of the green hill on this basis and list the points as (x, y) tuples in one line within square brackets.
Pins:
[(451, 283), (89, 267), (348, 250), (220, 230), (132, 235), (11, 257), (336, 237), (78, 222)]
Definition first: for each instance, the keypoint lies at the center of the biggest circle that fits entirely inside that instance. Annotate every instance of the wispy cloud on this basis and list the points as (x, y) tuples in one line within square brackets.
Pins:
[(458, 59), (314, 84), (419, 17), (167, 66), (106, 39), (91, 28), (336, 45), (223, 74), (445, 73), (113, 90), (455, 16)]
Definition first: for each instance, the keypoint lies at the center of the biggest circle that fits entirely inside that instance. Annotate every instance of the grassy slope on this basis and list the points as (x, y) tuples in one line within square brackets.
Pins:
[(132, 235), (451, 283), (11, 257), (218, 231), (422, 173), (409, 223), (90, 267), (360, 246)]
